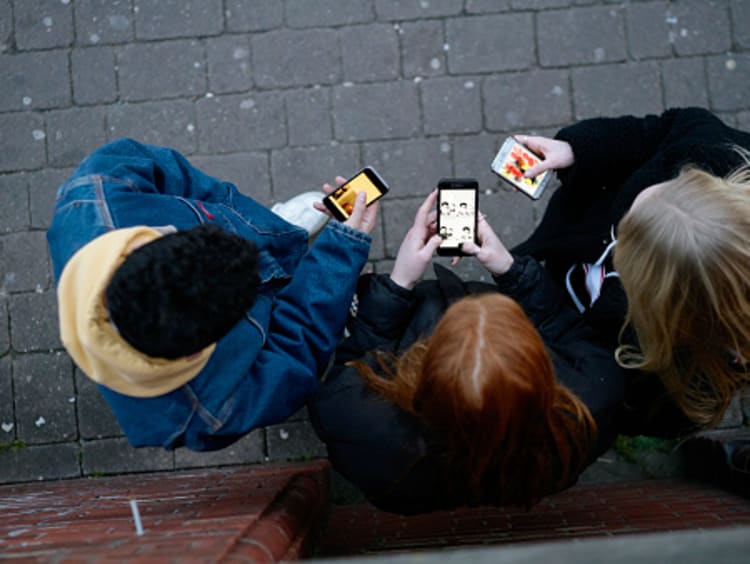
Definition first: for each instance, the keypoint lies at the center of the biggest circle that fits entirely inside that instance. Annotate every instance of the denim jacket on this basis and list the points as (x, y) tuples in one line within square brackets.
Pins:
[(265, 368)]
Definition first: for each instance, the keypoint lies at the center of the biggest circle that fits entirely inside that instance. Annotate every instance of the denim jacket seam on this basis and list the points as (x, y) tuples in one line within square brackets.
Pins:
[(351, 233), (198, 408)]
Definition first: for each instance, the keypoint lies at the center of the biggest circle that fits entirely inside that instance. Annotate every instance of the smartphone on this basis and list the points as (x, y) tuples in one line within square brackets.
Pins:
[(510, 163), (457, 214), (340, 202)]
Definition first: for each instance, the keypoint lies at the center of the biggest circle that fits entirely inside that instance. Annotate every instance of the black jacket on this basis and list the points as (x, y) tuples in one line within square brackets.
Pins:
[(384, 450), (615, 159)]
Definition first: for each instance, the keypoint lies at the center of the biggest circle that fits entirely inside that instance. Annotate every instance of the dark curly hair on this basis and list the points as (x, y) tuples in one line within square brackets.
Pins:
[(179, 293)]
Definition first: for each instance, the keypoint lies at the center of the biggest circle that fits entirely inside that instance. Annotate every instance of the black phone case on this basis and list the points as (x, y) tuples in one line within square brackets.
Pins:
[(458, 184)]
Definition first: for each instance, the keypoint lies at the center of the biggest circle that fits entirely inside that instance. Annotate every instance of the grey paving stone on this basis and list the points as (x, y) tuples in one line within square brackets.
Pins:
[(44, 398), (743, 121), (26, 265), (581, 36), (413, 9), (309, 116), (248, 450), (745, 401), (4, 328), (7, 417), (648, 29), (301, 169), (490, 43), (229, 63), (164, 19), (116, 456), (95, 418), (472, 155), (249, 172), (543, 4), (321, 13), (33, 322), (411, 167), (25, 148), (702, 27), (41, 24), (486, 6), (398, 217), (34, 81), (169, 123), (14, 202), (295, 58), (617, 90), (367, 112), (451, 105), (74, 133), (103, 21), (422, 52), (228, 124), (43, 186), (530, 99), (6, 26), (251, 15), (370, 52), (161, 70), (293, 441), (728, 81), (740, 13), (684, 82), (94, 75), (44, 462)]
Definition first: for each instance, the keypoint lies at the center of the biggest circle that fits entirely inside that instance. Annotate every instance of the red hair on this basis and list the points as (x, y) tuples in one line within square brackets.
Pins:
[(484, 385)]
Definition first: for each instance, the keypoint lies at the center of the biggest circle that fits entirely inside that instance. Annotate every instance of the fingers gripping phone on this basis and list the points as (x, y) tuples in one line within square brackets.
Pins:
[(457, 214), (512, 161), (340, 202)]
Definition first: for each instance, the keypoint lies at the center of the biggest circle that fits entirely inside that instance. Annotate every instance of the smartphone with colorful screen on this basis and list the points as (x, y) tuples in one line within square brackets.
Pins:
[(512, 161), (340, 202)]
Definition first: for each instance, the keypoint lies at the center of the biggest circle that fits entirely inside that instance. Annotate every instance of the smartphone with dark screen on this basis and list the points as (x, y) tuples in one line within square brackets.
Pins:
[(458, 208), (340, 202)]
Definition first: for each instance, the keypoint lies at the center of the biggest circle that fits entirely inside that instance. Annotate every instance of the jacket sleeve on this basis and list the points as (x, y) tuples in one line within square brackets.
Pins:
[(608, 150), (383, 314), (148, 168), (541, 298), (306, 323)]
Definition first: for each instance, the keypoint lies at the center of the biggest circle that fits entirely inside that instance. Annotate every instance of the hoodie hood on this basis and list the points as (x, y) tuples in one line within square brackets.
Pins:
[(90, 337)]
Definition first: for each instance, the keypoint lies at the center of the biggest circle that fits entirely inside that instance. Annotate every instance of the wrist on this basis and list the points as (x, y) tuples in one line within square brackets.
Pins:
[(402, 281), (502, 265)]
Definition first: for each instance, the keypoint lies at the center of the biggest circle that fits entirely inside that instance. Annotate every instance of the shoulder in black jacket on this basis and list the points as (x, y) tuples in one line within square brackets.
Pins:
[(385, 451)]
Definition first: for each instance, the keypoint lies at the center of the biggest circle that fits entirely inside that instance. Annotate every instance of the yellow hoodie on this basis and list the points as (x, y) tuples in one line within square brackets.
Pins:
[(92, 340)]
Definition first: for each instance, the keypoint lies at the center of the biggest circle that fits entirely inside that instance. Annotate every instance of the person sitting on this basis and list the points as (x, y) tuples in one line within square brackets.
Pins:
[(649, 230), (448, 393), (200, 314)]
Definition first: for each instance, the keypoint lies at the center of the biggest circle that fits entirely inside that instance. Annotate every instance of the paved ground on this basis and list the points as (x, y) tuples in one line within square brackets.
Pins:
[(278, 96)]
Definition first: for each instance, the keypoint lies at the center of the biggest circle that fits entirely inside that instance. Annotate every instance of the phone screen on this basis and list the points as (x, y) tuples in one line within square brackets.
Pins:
[(457, 215), (341, 201), (512, 161)]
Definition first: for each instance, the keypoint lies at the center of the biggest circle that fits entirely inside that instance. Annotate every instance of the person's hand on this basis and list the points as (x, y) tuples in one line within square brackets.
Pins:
[(557, 154), (363, 217), (491, 252), (419, 244)]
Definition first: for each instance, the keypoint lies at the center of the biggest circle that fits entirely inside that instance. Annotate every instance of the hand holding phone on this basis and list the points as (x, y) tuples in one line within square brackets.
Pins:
[(341, 201), (511, 163), (457, 214), (419, 244)]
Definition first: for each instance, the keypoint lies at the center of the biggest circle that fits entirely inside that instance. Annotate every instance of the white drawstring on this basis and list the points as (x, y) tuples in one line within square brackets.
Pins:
[(594, 277)]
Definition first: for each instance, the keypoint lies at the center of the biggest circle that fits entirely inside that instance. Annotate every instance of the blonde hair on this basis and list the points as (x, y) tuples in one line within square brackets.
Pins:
[(683, 256), (485, 386)]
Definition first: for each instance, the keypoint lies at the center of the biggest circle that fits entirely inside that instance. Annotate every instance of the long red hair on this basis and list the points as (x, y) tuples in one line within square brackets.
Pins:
[(484, 385)]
